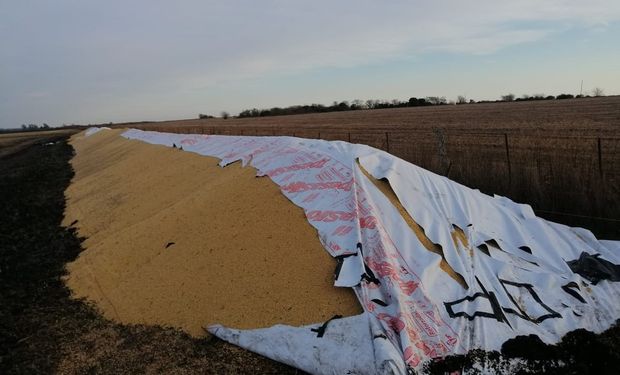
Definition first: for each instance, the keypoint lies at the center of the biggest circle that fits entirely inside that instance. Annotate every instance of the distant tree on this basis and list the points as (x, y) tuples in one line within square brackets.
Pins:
[(436, 100), (250, 113), (565, 96), (597, 91), (225, 115), (357, 104), (45, 126), (24, 127), (203, 116), (414, 102), (342, 106), (461, 99), (508, 97)]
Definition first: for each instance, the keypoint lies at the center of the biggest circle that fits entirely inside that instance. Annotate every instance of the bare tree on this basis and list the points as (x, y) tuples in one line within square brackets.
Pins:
[(358, 104), (508, 97), (225, 115), (597, 91), (436, 100), (461, 99)]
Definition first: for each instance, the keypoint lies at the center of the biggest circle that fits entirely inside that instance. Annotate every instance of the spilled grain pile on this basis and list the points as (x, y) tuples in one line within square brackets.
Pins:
[(439, 268), (175, 240)]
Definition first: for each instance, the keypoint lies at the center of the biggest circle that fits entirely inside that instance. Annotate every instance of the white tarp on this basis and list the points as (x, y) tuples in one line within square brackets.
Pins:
[(513, 264), (94, 130)]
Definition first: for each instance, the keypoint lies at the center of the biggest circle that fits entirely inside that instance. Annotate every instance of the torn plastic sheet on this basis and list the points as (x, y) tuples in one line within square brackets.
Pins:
[(515, 279), (345, 348)]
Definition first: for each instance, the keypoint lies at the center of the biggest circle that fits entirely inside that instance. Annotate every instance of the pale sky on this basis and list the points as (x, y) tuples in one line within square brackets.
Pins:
[(81, 61)]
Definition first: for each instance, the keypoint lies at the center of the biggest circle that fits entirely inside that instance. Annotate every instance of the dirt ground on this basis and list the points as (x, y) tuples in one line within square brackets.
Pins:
[(43, 330), (580, 352)]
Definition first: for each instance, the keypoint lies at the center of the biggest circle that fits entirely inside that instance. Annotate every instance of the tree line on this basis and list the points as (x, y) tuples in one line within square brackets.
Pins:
[(344, 106), (358, 104), (27, 128)]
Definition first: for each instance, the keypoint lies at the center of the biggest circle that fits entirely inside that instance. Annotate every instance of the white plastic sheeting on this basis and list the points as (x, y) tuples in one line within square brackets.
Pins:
[(513, 263), (94, 130), (345, 348)]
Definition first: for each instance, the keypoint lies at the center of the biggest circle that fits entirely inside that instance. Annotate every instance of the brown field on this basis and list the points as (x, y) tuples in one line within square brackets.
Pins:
[(560, 156), (573, 117), (14, 142)]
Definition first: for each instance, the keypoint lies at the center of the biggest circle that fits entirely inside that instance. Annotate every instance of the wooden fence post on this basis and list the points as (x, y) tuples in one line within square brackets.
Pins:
[(508, 160), (600, 157)]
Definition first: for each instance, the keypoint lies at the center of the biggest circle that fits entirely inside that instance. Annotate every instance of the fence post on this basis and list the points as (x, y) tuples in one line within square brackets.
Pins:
[(508, 161), (600, 157), (387, 142)]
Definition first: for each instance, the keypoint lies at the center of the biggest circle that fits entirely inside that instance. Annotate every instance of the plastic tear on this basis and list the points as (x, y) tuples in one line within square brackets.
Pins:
[(570, 289), (349, 269), (384, 186)]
